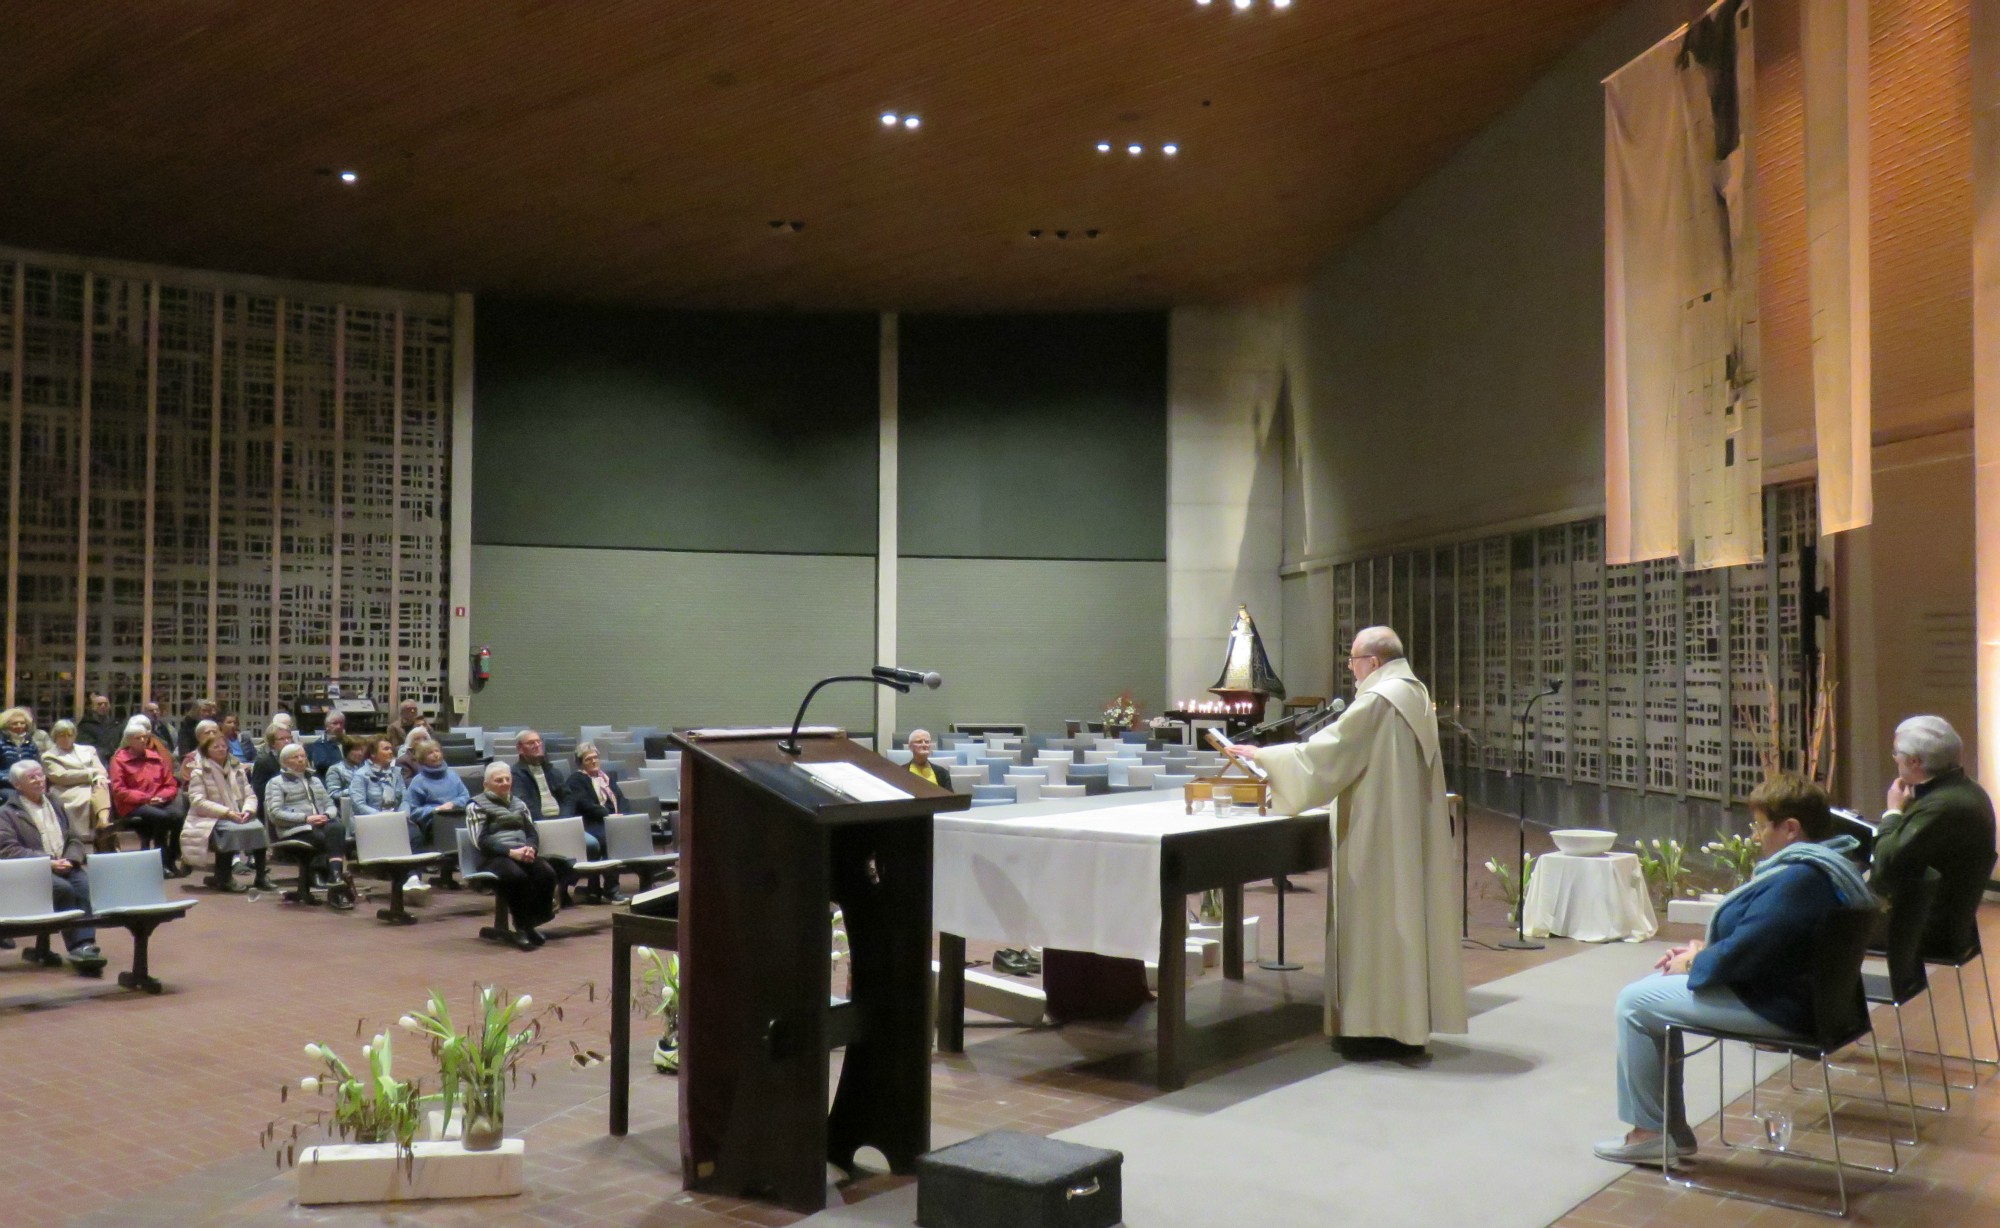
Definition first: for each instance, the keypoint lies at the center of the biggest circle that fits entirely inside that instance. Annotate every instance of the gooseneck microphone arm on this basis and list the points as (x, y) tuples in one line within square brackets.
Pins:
[(791, 744), (1520, 940)]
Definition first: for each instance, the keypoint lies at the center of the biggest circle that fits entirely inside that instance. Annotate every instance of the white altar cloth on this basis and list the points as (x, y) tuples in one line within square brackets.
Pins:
[(1601, 898), (1080, 876)]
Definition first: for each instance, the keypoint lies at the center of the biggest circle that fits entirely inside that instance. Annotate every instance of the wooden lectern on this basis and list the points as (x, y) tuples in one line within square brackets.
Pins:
[(765, 851)]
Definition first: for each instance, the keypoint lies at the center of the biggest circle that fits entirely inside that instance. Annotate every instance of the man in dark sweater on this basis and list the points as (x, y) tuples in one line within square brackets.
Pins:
[(1751, 974), (1937, 818)]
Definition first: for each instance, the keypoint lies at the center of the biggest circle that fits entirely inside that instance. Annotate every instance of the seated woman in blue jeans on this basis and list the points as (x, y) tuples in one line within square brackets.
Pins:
[(1751, 974)]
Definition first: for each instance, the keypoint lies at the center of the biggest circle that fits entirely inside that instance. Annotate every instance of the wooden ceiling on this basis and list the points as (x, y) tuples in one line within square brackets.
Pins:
[(637, 150)]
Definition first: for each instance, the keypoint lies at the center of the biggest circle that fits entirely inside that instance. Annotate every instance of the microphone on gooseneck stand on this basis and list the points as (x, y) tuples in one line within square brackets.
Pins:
[(1520, 940), (913, 677)]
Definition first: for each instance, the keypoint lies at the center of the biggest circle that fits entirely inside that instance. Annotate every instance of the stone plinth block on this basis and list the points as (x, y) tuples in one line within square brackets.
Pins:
[(373, 1172)]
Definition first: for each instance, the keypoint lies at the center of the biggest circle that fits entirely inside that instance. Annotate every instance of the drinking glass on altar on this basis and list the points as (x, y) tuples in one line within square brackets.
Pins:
[(1222, 799)]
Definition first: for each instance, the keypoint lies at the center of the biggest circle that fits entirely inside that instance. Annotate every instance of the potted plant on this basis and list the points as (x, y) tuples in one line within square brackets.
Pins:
[(1735, 854), (1665, 871), (1513, 891), (378, 1108), (1120, 713), (660, 973), (475, 1064)]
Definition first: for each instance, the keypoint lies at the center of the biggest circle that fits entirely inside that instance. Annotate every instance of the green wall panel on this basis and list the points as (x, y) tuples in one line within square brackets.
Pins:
[(669, 638), (1035, 640), (1033, 436), (624, 427)]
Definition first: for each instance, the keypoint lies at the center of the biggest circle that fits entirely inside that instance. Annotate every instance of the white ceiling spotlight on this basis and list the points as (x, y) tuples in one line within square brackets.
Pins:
[(1242, 4), (890, 119), (1135, 150), (911, 121), (1104, 147), (349, 178), (1170, 150)]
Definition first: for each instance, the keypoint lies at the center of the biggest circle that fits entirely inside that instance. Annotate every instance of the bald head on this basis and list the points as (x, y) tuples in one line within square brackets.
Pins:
[(1372, 647)]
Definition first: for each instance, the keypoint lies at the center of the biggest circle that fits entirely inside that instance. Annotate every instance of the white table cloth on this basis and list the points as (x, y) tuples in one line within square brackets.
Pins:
[(1601, 898), (1077, 877)]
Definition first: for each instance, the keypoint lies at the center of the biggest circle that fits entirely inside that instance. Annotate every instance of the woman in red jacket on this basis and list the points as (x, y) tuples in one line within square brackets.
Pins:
[(145, 795)]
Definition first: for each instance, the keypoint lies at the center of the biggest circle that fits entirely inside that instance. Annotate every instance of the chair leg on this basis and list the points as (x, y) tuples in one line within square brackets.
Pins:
[(501, 930), (395, 914), (1882, 1081), (140, 976), (40, 952), (1833, 1128)]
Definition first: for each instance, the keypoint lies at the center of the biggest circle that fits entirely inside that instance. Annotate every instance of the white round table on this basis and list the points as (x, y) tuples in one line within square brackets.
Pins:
[(1600, 898)]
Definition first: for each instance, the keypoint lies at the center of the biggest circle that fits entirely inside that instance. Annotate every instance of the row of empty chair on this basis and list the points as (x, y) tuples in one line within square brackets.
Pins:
[(1006, 769)]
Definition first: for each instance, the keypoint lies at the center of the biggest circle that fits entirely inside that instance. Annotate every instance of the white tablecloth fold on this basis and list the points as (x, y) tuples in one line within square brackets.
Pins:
[(1594, 899), (1082, 880)]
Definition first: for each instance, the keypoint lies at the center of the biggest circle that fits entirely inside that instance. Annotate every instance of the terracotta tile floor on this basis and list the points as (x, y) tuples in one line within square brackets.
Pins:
[(122, 1109)]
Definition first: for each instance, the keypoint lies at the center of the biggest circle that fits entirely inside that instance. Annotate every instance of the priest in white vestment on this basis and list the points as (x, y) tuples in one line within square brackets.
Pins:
[(1394, 975)]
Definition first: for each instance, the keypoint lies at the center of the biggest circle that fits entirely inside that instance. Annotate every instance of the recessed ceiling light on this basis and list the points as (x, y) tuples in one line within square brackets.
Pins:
[(349, 177), (911, 121), (1170, 150), (1281, 4), (1135, 150), (1242, 4), (1104, 147), (888, 119)]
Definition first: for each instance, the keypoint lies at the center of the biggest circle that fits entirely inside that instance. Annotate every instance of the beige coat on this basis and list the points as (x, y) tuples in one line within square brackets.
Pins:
[(214, 791), (1393, 966), (74, 779)]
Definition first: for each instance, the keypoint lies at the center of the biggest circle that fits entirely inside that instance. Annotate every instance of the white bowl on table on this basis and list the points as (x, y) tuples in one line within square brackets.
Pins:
[(1583, 841)]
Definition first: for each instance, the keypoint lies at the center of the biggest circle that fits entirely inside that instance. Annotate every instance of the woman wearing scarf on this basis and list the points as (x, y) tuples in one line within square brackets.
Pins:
[(593, 793), (1751, 974), (378, 782), (17, 744)]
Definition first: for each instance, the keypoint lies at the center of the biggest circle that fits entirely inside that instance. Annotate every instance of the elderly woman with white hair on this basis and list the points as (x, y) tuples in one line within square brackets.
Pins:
[(145, 796), (81, 785), (1937, 818), (17, 744), (298, 807), (510, 850)]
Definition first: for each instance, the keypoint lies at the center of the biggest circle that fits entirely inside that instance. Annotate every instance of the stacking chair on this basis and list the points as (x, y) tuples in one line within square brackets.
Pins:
[(462, 754), (1141, 775), (993, 794), (1172, 780), (1097, 756), (1049, 791), (997, 766), (1094, 777), (474, 776), (628, 840), (1058, 769), (965, 775), (302, 855), (129, 890), (1907, 977), (382, 850), (28, 904), (900, 757), (594, 733), (1027, 786), (502, 930), (1841, 1013), (562, 843)]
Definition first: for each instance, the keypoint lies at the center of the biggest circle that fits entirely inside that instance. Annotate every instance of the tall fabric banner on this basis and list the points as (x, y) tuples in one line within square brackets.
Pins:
[(1683, 473), (1834, 36)]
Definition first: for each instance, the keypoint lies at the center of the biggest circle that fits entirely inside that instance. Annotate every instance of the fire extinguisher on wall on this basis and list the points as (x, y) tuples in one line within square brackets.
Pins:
[(482, 666)]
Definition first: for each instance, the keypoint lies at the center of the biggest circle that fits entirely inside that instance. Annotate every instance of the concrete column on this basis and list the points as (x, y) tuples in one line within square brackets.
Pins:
[(1986, 365), (886, 545), (1225, 483)]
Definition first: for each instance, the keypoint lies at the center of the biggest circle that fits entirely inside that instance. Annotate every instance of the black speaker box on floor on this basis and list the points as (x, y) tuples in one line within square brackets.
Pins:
[(1004, 1179)]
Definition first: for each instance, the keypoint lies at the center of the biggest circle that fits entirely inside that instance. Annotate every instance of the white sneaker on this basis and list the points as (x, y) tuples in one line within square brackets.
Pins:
[(416, 890)]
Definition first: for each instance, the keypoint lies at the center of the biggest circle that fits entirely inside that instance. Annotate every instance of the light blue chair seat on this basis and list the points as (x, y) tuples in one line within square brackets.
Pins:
[(979, 802), (992, 793), (1167, 780)]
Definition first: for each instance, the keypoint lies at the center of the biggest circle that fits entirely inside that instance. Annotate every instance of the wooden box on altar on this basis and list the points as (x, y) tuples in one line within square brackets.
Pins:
[(1242, 787)]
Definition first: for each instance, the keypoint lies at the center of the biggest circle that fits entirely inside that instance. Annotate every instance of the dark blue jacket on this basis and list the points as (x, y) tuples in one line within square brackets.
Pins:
[(530, 793), (1763, 945)]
